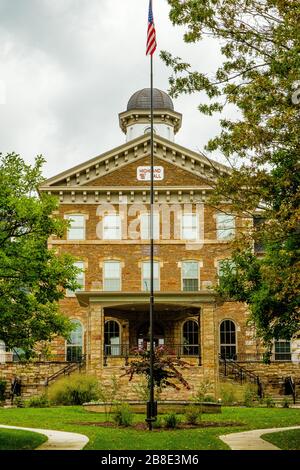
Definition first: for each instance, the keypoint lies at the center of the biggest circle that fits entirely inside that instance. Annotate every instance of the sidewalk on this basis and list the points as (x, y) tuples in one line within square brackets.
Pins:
[(57, 440), (251, 440)]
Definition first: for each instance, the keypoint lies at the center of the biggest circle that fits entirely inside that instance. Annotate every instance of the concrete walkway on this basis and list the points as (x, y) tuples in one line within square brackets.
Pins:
[(57, 440), (251, 440)]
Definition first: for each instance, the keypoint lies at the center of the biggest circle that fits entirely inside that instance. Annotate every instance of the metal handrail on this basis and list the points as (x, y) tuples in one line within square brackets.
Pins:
[(292, 387), (241, 373), (123, 350), (66, 370)]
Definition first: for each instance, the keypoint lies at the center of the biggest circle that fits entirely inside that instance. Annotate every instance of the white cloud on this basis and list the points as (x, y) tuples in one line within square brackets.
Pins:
[(70, 66)]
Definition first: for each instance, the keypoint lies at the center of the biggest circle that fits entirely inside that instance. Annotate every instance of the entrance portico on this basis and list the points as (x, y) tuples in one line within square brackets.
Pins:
[(118, 325)]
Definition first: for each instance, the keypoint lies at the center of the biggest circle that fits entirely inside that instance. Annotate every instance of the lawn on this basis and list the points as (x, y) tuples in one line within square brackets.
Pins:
[(105, 438), (12, 439), (285, 440)]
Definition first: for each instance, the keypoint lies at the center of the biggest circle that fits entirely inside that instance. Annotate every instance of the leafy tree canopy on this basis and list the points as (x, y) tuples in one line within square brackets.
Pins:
[(259, 75), (32, 277)]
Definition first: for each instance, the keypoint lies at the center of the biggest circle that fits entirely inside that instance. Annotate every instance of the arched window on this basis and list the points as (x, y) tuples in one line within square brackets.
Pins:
[(190, 334), (112, 338), (75, 343), (228, 339)]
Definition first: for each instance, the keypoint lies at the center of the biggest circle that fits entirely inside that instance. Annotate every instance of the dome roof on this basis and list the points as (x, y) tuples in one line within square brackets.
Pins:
[(141, 100)]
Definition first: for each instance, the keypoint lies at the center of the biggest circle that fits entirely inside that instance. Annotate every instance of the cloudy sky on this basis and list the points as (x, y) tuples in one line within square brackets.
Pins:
[(68, 67)]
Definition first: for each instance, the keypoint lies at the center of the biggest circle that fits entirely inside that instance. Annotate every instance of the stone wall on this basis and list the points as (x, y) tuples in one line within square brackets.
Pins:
[(32, 375)]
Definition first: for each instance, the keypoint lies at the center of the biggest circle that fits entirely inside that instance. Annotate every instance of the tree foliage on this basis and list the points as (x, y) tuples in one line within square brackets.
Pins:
[(259, 75), (165, 368), (32, 277)]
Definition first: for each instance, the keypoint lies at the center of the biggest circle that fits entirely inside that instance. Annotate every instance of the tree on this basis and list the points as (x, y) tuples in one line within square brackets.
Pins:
[(165, 368), (32, 277), (259, 75)]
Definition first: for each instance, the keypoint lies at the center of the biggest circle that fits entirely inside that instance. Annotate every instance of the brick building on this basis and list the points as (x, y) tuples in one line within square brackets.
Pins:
[(106, 200)]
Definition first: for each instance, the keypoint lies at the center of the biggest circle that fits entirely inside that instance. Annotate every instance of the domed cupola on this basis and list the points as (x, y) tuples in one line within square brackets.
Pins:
[(135, 121)]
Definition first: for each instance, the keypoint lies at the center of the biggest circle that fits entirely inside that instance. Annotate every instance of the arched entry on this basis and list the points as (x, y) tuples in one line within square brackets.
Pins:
[(144, 335)]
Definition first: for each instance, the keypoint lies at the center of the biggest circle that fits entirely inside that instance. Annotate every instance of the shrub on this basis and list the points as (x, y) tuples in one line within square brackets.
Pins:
[(285, 403), (2, 390), (209, 398), (123, 415), (109, 394), (204, 387), (192, 414), (19, 402), (228, 394), (269, 402), (41, 401), (157, 424), (171, 421), (74, 390), (249, 397)]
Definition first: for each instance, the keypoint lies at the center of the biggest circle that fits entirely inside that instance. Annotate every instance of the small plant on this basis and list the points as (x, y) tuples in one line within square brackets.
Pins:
[(19, 402), (171, 421), (249, 397), (41, 401), (108, 394), (123, 415), (228, 394), (192, 414), (285, 403), (2, 389), (74, 390), (209, 399), (269, 402), (158, 423), (204, 388)]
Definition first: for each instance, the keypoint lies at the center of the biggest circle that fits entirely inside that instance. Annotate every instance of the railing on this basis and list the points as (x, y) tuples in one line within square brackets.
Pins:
[(42, 358), (126, 351), (290, 385), (232, 369), (66, 370), (259, 357)]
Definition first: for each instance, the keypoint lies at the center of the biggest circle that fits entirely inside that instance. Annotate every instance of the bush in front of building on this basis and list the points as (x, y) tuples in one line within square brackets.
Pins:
[(123, 415), (172, 421), (74, 390), (192, 414), (41, 401)]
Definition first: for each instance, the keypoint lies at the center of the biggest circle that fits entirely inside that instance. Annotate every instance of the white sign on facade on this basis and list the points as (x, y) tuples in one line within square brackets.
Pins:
[(143, 173)]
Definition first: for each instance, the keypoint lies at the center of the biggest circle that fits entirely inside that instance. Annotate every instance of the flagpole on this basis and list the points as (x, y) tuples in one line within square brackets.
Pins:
[(151, 46), (151, 391)]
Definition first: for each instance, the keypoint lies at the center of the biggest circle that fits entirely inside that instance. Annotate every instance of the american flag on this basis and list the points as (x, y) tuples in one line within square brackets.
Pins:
[(151, 34)]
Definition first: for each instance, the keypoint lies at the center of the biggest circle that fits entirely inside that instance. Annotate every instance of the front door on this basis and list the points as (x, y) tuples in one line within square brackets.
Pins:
[(143, 339)]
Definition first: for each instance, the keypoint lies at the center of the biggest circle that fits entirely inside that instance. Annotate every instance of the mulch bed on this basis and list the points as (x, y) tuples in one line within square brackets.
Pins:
[(144, 426)]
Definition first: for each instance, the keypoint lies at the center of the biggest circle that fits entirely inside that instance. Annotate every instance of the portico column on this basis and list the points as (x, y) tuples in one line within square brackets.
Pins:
[(96, 338), (209, 341)]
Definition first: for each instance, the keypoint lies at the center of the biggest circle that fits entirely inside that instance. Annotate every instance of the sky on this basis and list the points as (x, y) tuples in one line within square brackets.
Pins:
[(68, 67)]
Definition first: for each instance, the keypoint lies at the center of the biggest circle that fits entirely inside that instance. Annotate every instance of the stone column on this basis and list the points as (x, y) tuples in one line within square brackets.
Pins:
[(95, 339), (209, 342)]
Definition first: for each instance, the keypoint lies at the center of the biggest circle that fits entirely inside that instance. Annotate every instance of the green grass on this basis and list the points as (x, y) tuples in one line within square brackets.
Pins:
[(12, 439), (102, 438), (285, 440)]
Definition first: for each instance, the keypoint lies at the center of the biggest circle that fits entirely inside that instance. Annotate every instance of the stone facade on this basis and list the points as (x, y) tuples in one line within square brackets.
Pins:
[(109, 183)]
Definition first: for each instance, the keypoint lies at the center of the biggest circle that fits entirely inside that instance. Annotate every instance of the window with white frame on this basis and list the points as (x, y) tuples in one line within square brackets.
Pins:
[(146, 274), (282, 350), (190, 275), (145, 226), (80, 279), (75, 342), (112, 276), (76, 229), (112, 227), (225, 226), (189, 227)]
